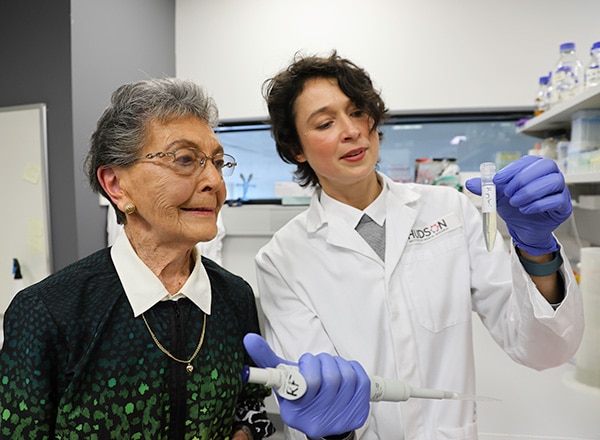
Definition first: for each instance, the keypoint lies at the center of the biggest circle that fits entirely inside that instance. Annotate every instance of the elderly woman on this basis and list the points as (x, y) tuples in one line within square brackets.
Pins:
[(144, 339)]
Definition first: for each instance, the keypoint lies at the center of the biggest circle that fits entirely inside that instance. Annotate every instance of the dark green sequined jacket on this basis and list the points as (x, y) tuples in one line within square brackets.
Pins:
[(76, 364)]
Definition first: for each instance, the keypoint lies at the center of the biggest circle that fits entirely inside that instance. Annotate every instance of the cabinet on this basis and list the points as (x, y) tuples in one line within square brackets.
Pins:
[(557, 122)]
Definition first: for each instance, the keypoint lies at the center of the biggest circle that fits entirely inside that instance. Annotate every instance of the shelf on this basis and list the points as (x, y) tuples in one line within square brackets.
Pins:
[(557, 120), (583, 178)]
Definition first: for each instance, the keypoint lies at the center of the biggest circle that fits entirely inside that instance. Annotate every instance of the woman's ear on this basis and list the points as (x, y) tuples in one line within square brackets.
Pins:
[(300, 158), (110, 182)]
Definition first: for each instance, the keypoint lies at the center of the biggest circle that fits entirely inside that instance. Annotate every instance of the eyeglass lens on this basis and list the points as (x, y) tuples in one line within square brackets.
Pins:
[(187, 161)]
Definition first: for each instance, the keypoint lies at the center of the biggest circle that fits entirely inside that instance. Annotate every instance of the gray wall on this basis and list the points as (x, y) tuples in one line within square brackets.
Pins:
[(113, 42), (35, 52), (71, 57)]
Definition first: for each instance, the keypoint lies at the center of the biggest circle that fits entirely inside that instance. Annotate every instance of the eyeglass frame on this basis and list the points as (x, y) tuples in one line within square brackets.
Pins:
[(202, 161)]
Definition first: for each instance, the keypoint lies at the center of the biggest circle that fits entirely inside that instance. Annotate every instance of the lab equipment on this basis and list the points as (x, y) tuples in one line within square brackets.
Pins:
[(290, 384), (423, 171), (584, 147), (592, 70), (587, 361), (541, 97), (337, 403), (488, 203), (567, 79), (438, 171)]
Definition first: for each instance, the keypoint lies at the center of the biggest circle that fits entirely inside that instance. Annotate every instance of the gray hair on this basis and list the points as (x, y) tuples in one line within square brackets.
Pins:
[(121, 130)]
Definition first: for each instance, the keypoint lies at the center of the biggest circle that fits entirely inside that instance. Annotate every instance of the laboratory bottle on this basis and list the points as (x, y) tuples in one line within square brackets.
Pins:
[(541, 98), (550, 95), (567, 78), (592, 69)]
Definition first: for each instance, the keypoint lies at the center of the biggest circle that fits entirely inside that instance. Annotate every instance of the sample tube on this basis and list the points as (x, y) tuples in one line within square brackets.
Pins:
[(488, 203)]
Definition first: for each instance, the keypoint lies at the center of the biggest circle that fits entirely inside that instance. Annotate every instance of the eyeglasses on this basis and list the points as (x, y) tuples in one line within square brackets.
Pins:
[(187, 161)]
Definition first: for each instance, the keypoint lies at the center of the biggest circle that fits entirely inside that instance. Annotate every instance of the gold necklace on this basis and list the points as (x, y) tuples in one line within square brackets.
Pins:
[(189, 367)]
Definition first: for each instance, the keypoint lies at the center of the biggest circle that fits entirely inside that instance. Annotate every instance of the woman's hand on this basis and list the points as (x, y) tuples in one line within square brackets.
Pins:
[(337, 398), (241, 435)]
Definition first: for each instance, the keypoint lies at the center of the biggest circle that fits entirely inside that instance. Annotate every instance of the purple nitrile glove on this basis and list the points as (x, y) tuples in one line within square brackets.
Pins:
[(337, 395), (533, 200)]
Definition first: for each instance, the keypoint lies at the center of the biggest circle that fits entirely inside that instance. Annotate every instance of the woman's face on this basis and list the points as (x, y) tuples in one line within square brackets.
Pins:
[(336, 136), (173, 208)]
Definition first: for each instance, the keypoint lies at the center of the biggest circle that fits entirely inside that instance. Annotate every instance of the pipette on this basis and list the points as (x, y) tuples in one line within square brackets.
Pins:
[(488, 203), (290, 384)]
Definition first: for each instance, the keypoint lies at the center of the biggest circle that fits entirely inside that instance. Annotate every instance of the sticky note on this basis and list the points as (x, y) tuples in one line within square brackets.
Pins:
[(32, 173)]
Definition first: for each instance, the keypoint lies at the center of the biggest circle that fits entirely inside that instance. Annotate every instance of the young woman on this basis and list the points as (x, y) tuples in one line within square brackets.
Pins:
[(402, 307)]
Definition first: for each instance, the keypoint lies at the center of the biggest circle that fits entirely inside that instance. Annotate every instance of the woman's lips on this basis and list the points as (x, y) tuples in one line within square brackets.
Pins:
[(354, 155), (200, 210)]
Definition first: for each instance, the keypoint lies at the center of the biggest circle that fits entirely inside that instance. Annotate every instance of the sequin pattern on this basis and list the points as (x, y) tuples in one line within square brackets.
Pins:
[(76, 364)]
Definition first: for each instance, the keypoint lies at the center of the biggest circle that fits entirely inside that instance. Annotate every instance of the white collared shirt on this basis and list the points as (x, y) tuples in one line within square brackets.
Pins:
[(144, 289), (376, 210)]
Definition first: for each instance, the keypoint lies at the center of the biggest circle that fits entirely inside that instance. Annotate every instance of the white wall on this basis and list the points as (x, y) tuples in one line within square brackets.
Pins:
[(431, 54)]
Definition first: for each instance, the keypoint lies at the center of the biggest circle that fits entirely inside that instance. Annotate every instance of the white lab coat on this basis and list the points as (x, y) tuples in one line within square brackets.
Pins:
[(323, 289)]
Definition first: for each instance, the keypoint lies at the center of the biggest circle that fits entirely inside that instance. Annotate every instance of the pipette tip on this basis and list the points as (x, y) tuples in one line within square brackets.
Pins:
[(476, 398)]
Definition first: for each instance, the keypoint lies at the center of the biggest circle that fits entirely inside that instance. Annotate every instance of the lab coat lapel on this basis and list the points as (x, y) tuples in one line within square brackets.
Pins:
[(400, 218), (337, 232), (399, 222)]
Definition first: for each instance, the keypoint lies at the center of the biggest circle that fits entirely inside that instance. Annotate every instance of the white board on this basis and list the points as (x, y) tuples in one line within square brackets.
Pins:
[(24, 218)]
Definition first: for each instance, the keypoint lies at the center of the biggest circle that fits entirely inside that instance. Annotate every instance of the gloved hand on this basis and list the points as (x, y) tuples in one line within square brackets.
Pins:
[(337, 394), (533, 199)]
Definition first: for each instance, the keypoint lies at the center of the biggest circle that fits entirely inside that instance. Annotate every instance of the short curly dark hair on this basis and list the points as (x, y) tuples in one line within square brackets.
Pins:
[(282, 90)]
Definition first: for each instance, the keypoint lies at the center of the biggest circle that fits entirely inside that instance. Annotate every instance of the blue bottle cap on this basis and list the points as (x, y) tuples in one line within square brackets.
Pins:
[(567, 46)]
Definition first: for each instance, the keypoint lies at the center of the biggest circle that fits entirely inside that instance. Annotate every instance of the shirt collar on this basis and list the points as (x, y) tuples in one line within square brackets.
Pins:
[(144, 289), (351, 215)]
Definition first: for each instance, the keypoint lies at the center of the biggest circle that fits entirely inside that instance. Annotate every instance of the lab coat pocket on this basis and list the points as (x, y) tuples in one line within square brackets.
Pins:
[(467, 432), (437, 277)]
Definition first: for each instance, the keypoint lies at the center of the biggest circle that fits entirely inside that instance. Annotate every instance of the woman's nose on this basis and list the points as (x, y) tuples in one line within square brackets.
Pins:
[(350, 128), (210, 177)]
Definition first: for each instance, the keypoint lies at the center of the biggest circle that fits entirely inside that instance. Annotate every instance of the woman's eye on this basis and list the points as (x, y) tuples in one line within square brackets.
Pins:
[(323, 126), (185, 158), (219, 163), (358, 113)]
